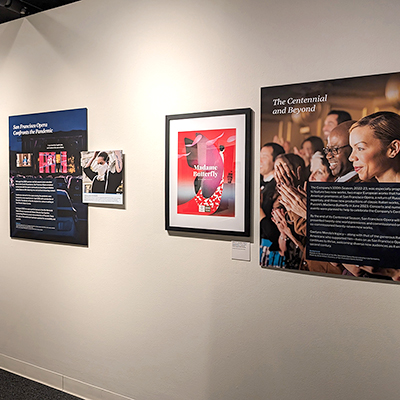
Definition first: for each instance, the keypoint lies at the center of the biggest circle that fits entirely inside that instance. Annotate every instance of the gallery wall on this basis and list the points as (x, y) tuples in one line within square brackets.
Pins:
[(142, 314)]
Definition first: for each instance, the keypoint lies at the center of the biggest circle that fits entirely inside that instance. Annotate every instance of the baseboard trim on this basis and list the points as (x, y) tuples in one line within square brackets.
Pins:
[(31, 371), (57, 381)]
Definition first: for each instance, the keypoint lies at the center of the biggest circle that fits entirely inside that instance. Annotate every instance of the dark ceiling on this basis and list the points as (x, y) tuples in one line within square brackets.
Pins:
[(13, 9)]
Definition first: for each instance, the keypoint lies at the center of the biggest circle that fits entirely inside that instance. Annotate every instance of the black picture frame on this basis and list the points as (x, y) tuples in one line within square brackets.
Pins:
[(214, 146)]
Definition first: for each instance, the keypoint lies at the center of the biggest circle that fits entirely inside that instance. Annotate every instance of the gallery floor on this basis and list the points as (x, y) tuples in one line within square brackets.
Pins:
[(14, 387)]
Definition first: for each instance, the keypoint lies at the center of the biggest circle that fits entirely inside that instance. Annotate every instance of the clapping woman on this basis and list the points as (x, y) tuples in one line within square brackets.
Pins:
[(294, 199), (289, 171)]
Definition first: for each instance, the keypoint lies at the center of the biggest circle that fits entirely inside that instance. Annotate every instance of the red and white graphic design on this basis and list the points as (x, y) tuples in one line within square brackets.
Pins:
[(206, 172)]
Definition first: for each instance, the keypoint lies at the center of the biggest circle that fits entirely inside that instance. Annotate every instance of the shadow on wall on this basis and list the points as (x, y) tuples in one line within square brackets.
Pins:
[(7, 39), (59, 37)]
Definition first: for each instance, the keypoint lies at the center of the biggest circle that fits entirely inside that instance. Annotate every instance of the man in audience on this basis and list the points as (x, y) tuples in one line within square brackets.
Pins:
[(333, 119), (338, 151), (268, 154), (269, 231)]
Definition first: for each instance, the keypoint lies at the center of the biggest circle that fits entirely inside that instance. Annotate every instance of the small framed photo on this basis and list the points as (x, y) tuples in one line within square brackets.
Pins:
[(103, 177), (208, 169)]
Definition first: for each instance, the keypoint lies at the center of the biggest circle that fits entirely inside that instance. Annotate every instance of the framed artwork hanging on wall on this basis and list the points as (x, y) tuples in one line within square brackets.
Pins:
[(208, 169)]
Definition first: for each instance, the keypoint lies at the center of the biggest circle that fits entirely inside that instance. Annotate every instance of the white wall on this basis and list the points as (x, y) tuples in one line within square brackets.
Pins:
[(148, 315)]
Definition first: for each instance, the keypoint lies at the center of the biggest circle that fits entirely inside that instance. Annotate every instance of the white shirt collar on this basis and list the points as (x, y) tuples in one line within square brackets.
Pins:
[(346, 177), (268, 178)]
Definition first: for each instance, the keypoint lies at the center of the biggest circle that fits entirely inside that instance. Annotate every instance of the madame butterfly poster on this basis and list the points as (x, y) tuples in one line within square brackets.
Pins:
[(206, 172), (208, 169)]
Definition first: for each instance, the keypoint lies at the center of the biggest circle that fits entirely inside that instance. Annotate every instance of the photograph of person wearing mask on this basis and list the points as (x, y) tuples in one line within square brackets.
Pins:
[(103, 175)]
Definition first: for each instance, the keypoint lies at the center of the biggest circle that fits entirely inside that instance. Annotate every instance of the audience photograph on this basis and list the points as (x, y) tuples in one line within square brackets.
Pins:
[(334, 141)]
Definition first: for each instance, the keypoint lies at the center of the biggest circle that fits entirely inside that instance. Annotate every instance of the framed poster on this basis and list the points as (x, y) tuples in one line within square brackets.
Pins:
[(46, 176), (329, 177), (103, 177), (208, 167)]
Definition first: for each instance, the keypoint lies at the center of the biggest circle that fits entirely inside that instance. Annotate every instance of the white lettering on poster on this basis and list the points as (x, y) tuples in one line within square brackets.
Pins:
[(284, 109)]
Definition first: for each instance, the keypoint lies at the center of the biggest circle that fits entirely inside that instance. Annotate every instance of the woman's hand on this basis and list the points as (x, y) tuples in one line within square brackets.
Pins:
[(293, 199), (283, 174), (89, 163), (278, 217)]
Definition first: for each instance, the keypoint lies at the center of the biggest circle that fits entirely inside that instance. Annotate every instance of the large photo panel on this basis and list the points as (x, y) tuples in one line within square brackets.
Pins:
[(329, 177)]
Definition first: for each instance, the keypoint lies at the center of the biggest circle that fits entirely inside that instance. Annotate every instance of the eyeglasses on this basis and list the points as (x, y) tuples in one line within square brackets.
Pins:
[(334, 150)]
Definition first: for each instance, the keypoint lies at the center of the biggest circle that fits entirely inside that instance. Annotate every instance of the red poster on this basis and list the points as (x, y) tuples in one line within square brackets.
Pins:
[(64, 164), (206, 172)]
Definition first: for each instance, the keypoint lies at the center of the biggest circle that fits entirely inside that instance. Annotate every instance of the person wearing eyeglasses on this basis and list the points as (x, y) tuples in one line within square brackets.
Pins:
[(338, 151)]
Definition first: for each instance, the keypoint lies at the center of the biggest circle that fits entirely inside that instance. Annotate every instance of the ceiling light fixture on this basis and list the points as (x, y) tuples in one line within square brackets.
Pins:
[(15, 6)]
